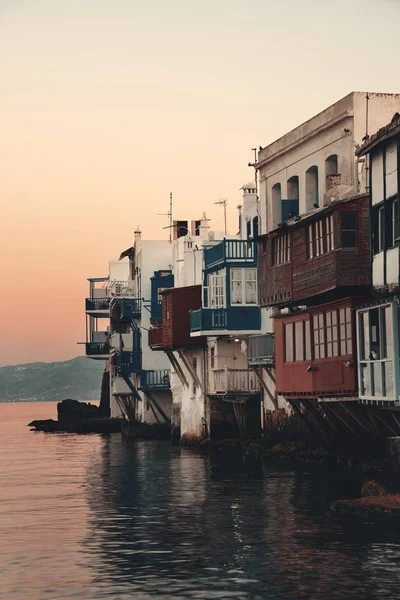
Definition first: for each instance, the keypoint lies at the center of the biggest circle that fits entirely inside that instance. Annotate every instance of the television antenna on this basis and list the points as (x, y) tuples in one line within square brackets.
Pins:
[(223, 202), (169, 215)]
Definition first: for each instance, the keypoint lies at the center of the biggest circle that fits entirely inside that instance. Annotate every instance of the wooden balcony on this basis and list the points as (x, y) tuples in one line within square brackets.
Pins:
[(239, 252), (315, 352), (174, 331), (125, 309), (237, 382), (317, 257), (99, 350), (209, 321)]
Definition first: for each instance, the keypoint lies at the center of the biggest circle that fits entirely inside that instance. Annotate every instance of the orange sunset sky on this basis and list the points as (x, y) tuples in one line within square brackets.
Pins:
[(107, 106)]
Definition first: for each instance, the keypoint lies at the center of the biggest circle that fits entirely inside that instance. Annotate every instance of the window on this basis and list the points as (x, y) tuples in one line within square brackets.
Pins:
[(395, 219), (293, 188), (281, 249), (312, 198), (217, 290), (297, 341), (376, 366), (243, 286), (349, 229), (378, 228), (332, 345), (320, 237), (331, 165), (212, 357), (346, 332), (289, 342), (333, 333)]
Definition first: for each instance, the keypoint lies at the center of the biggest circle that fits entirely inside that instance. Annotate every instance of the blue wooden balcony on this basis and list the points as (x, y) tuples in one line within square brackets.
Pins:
[(234, 318), (240, 252), (155, 380), (128, 362), (98, 305), (126, 309), (97, 349)]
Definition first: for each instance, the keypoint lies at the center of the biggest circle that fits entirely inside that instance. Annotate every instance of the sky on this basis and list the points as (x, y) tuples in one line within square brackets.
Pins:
[(107, 106)]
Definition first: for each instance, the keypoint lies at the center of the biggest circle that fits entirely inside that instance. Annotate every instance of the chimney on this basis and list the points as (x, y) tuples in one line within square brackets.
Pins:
[(138, 234)]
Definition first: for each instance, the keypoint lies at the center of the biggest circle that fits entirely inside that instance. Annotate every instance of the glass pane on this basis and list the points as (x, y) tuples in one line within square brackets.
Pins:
[(349, 220), (289, 342), (349, 239), (308, 340), (388, 374), (321, 321), (349, 346), (329, 349), (364, 334), (334, 317), (386, 328), (328, 318), (335, 349), (377, 378), (374, 334), (299, 341), (365, 379), (348, 315), (348, 330)]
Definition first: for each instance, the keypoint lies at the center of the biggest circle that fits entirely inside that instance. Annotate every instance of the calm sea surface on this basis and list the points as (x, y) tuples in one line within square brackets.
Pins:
[(93, 517)]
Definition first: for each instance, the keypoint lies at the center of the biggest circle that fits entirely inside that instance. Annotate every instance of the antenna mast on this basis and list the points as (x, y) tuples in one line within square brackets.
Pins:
[(169, 215), (223, 202)]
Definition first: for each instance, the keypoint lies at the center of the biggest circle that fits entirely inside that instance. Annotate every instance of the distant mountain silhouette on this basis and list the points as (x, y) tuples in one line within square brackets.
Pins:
[(79, 378)]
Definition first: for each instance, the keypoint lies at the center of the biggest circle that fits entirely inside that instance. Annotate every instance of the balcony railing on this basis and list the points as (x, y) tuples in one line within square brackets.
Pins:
[(121, 288), (155, 380), (97, 348), (238, 251), (126, 308), (234, 318), (261, 350), (128, 362), (239, 381), (98, 304)]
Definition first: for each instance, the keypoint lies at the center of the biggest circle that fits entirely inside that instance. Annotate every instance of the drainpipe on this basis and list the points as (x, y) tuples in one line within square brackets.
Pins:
[(205, 388)]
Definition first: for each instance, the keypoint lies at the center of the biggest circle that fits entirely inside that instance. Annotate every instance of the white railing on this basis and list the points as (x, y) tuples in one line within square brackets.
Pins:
[(121, 288), (226, 380)]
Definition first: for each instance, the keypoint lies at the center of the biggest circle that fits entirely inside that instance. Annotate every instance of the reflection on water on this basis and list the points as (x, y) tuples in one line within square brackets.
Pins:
[(90, 517)]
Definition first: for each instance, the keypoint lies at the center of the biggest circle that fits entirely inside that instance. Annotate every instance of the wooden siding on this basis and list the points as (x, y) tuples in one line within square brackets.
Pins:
[(304, 278), (334, 376), (175, 329)]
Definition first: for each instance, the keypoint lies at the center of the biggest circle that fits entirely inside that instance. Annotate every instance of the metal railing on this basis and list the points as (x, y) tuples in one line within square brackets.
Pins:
[(155, 380), (102, 304), (121, 288), (97, 348), (128, 362), (261, 350), (224, 381)]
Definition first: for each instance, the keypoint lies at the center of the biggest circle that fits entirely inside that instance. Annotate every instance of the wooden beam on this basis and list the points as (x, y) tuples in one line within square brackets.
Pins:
[(358, 420), (177, 367), (158, 407), (298, 411), (191, 370), (271, 396)]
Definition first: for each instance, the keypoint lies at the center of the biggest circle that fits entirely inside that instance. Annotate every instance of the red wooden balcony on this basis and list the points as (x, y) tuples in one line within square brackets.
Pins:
[(315, 351), (317, 257), (174, 331)]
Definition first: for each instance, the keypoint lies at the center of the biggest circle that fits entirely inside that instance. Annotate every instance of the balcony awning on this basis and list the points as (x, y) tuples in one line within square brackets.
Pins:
[(128, 252)]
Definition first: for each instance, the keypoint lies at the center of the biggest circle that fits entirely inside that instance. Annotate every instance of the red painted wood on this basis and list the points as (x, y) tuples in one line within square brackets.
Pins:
[(175, 329), (328, 376)]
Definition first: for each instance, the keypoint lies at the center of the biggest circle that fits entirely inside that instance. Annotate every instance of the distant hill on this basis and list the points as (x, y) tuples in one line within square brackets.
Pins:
[(79, 378)]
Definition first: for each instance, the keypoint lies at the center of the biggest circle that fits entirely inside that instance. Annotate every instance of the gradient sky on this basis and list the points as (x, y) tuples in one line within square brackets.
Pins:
[(106, 106)]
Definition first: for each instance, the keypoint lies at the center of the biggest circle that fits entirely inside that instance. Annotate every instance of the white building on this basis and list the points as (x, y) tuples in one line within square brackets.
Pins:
[(315, 162), (378, 323)]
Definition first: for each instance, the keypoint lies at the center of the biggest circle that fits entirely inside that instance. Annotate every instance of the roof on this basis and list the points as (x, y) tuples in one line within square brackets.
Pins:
[(382, 134), (128, 252)]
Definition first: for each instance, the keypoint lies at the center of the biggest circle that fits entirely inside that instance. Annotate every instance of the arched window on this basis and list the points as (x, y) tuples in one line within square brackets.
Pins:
[(276, 201), (312, 198), (331, 165), (293, 188)]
